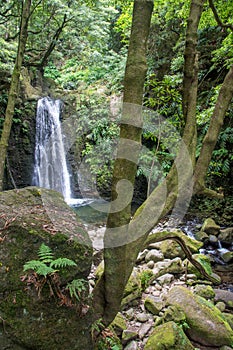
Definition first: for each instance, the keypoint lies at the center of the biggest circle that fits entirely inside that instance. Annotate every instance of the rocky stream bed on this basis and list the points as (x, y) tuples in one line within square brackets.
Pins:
[(167, 303)]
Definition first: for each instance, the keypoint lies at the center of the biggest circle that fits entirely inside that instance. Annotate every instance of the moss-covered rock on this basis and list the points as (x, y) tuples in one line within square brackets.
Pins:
[(168, 336), (205, 291), (119, 324), (207, 324), (153, 304), (171, 249), (30, 217), (210, 227), (134, 283)]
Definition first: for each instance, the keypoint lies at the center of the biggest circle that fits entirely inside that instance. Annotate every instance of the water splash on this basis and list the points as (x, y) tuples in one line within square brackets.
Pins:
[(50, 170)]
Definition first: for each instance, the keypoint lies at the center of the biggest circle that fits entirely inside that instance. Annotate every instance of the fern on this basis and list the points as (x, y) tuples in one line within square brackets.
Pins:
[(62, 263), (76, 287), (48, 268), (45, 253), (45, 270), (39, 267)]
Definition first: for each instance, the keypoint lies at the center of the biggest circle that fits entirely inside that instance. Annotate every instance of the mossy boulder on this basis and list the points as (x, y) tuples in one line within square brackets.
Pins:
[(210, 227), (153, 304), (30, 217), (207, 325), (171, 249), (168, 336), (119, 324), (205, 291)]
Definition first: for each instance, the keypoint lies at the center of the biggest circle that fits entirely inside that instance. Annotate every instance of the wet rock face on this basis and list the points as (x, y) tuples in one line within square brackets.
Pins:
[(28, 218)]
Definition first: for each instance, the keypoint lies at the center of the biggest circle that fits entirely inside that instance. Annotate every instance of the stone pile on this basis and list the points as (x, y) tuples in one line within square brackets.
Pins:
[(169, 305)]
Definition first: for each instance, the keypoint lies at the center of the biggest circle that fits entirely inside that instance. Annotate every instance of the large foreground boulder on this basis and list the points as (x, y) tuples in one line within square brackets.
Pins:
[(28, 218), (207, 324)]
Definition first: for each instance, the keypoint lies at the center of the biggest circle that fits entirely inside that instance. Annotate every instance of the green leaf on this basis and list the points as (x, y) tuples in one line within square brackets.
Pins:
[(62, 262), (45, 253)]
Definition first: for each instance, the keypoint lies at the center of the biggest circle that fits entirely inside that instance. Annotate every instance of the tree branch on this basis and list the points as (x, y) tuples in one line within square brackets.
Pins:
[(217, 18), (187, 245), (222, 104)]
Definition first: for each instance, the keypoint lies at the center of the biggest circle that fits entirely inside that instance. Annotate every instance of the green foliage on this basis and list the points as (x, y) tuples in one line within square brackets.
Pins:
[(7, 53), (145, 278), (183, 324), (99, 136), (45, 271), (46, 263), (45, 254), (109, 341), (76, 287), (164, 96)]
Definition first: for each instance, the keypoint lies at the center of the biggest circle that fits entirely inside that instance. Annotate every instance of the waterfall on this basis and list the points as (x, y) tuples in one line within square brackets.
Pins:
[(50, 169)]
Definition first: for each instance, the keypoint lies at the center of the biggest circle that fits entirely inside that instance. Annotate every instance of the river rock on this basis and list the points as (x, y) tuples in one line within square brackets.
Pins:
[(165, 279), (30, 217), (168, 266), (132, 346), (224, 295), (154, 255), (134, 283), (201, 236), (210, 227), (168, 336), (205, 291), (229, 318), (153, 304), (207, 325), (129, 334), (119, 324), (142, 317), (144, 329), (221, 306), (226, 235), (171, 249), (226, 256)]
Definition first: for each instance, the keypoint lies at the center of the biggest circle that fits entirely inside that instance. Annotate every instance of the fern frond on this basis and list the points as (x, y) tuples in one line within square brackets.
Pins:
[(45, 270), (38, 267), (75, 287), (62, 262), (33, 265), (45, 253)]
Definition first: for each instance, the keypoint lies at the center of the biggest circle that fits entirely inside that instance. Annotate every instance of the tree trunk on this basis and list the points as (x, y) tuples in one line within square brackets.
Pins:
[(190, 80), (14, 88), (109, 291), (175, 191), (223, 101)]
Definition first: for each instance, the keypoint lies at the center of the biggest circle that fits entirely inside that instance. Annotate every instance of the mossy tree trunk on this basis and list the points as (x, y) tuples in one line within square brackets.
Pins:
[(109, 291), (223, 101), (129, 234), (14, 87)]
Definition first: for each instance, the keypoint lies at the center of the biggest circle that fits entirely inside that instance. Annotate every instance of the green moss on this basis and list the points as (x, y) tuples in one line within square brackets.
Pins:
[(168, 336)]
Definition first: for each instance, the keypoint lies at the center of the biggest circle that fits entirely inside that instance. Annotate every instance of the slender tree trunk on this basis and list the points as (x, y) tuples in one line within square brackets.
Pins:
[(14, 87), (190, 80), (120, 261), (108, 293), (223, 101)]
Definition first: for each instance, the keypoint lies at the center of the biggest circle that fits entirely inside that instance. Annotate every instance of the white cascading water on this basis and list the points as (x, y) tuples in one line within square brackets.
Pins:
[(50, 170)]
